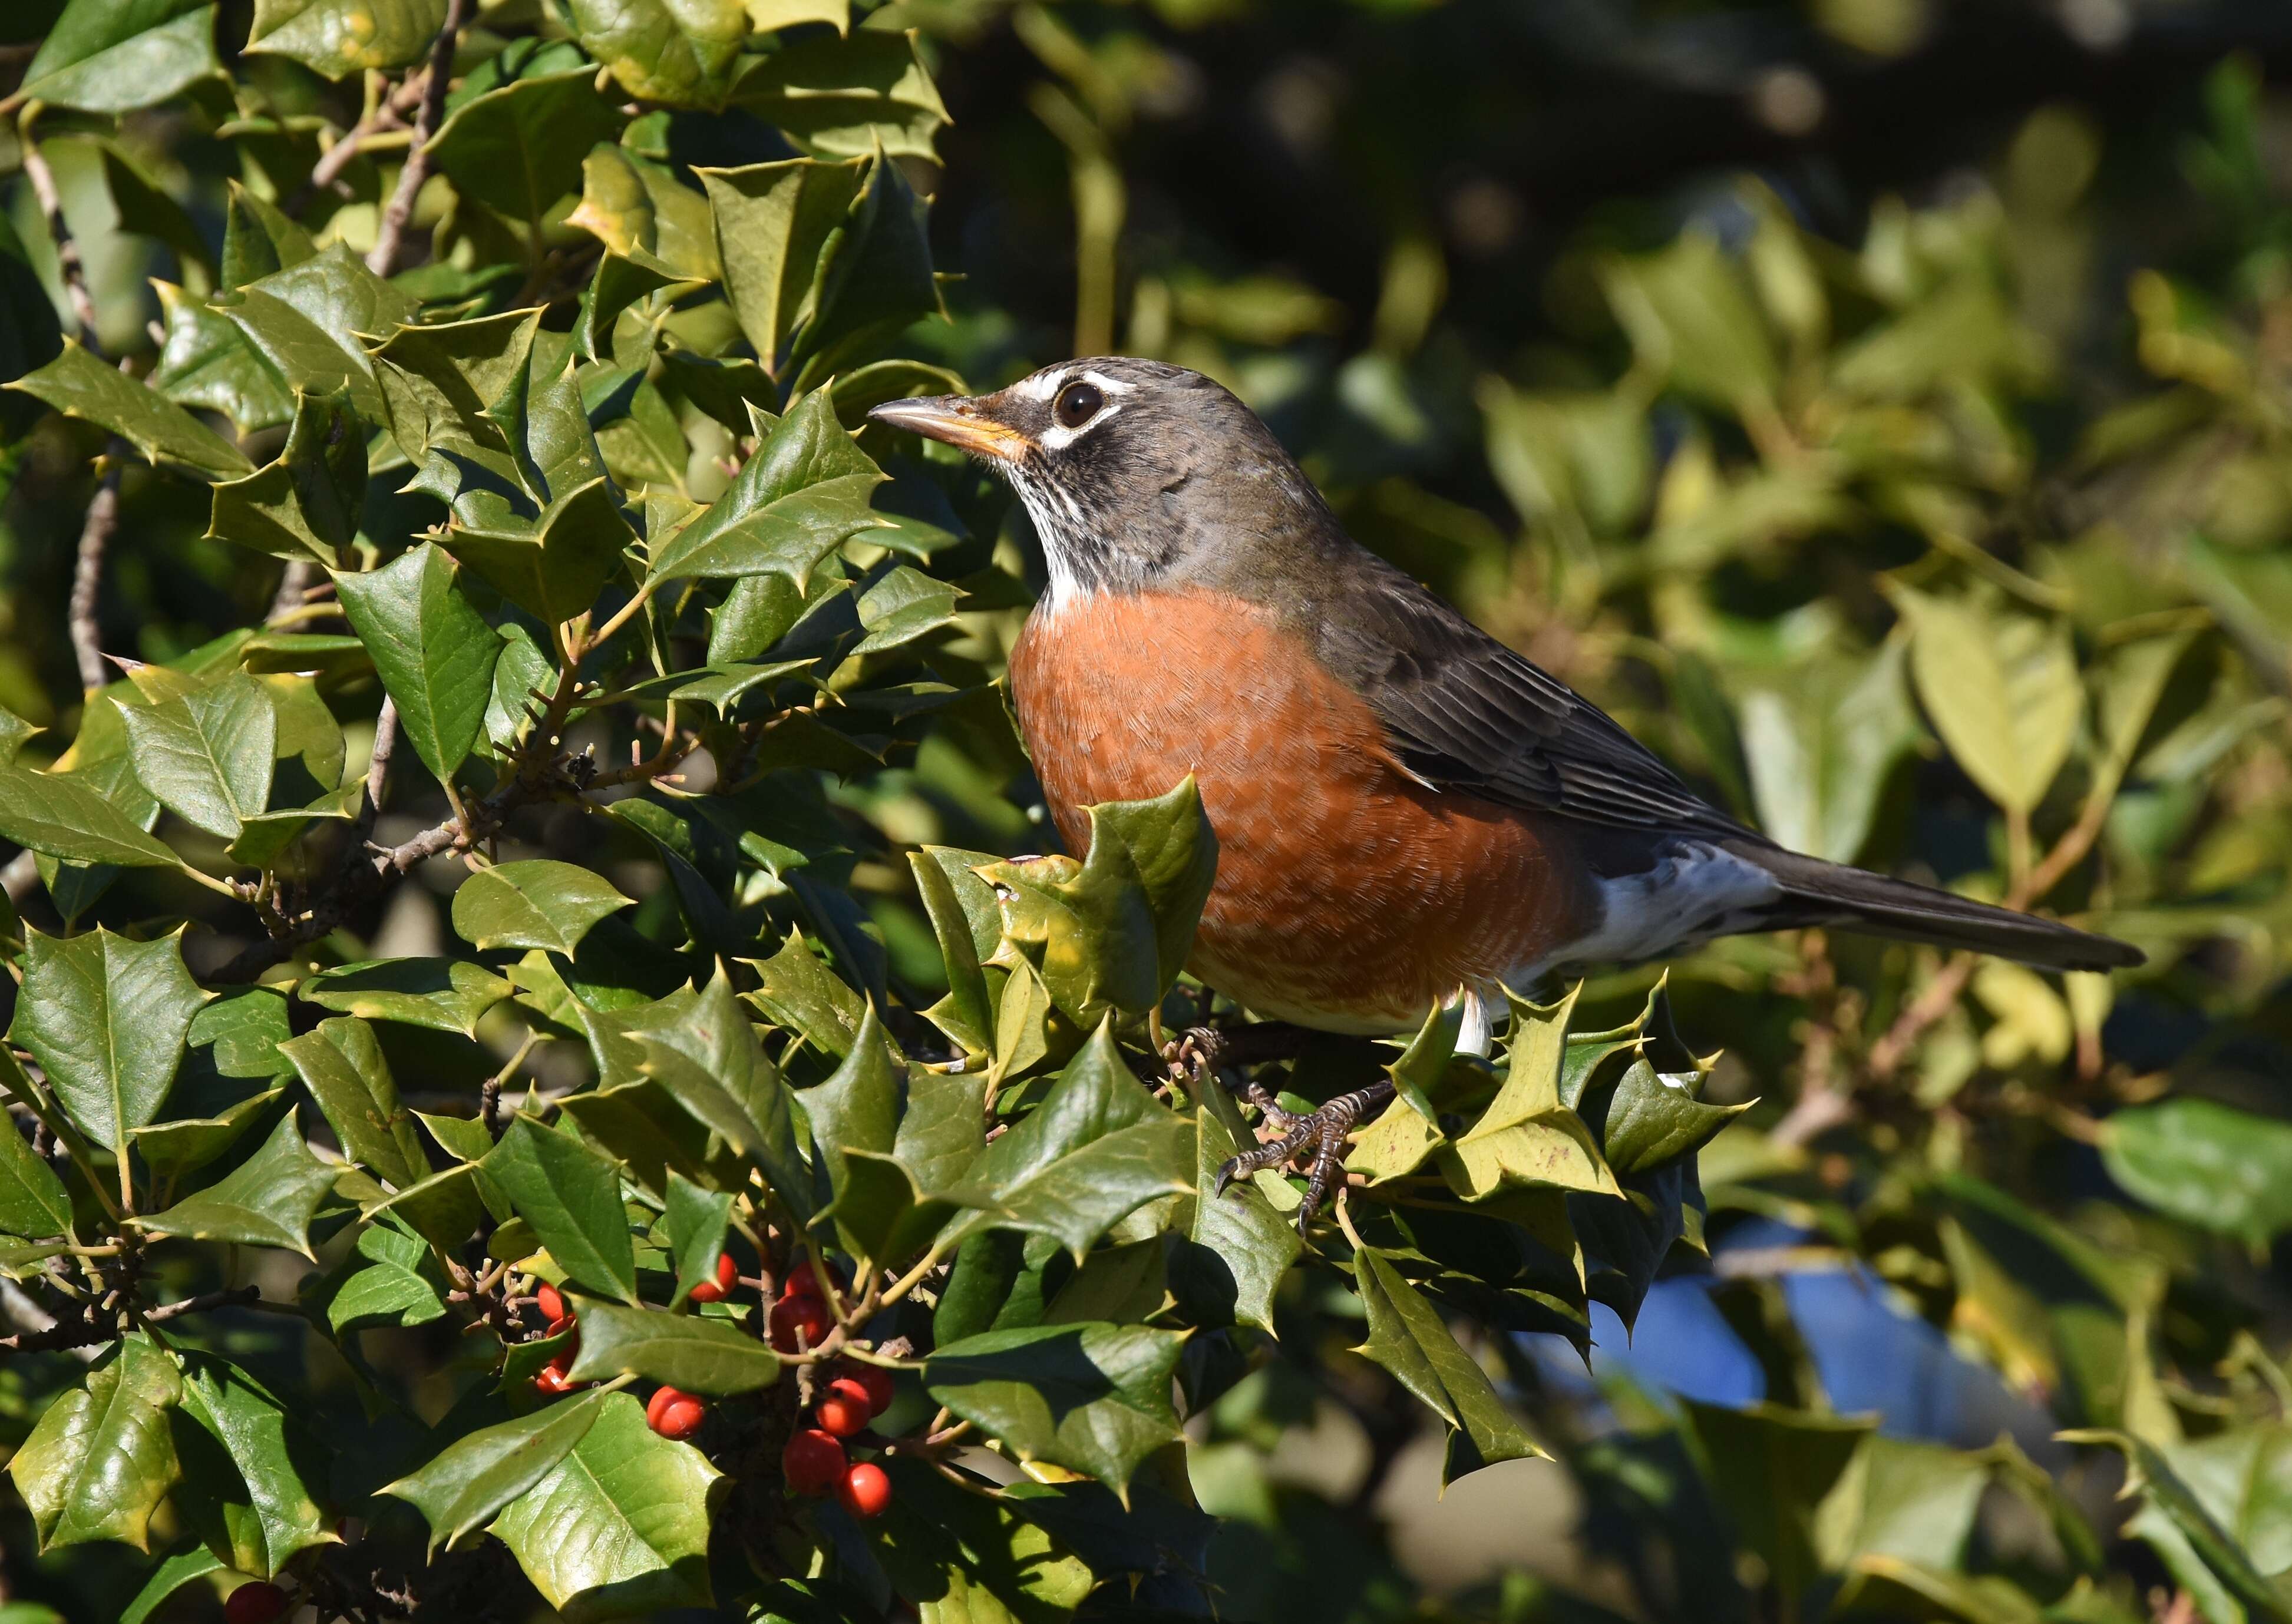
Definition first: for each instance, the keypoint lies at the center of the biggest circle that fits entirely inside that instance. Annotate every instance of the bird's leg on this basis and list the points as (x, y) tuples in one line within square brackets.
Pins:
[(1323, 1133), (1207, 1051)]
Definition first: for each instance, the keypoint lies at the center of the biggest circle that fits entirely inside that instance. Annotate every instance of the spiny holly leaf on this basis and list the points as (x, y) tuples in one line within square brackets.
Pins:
[(342, 1064), (536, 903), (304, 319), (557, 564), (62, 815), (620, 1525), (443, 995), (697, 1221), (678, 52), (101, 1458), (305, 504), (391, 1278), (271, 1508), (773, 221), (800, 497), (434, 650), (268, 1200), (463, 1485), (1094, 1398), (79, 385), (341, 37), (707, 1056), (571, 1195), (102, 56), (700, 1355), (181, 1145), (867, 93), (519, 149), (106, 1017), (1237, 1246), (1408, 1338), (1096, 1149), (206, 361), (207, 755), (33, 1203), (957, 1555)]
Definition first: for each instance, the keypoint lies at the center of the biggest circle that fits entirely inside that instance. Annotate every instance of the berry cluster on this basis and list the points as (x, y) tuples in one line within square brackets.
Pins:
[(814, 1460)]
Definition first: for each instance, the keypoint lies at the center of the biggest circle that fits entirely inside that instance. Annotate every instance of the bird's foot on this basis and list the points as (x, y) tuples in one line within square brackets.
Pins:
[(1324, 1133), (1200, 1053)]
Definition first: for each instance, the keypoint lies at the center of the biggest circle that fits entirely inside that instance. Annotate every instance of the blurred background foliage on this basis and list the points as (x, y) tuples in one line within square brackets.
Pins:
[(1884, 406)]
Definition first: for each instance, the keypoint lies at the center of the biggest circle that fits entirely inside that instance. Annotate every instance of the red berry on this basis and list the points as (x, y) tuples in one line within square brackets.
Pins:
[(800, 1280), (674, 1413), (798, 1323), (840, 1414), (811, 1462), (561, 1325), (550, 1381), (258, 1603), (551, 1301), (876, 1382), (863, 1489), (728, 1276)]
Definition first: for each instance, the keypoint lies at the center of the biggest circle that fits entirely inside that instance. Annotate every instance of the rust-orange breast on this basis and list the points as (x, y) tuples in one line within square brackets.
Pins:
[(1349, 896)]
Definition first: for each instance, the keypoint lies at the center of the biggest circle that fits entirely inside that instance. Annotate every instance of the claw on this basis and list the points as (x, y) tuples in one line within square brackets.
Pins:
[(1325, 1132)]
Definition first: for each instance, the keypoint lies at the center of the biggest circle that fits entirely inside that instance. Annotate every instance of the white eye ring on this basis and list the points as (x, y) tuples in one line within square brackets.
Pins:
[(1078, 402)]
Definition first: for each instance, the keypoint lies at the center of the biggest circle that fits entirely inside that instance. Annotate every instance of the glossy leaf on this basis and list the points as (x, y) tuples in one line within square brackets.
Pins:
[(1092, 1398), (444, 994), (2204, 1164), (270, 1457), (113, 56), (2002, 690), (79, 385), (434, 650), (801, 496), (699, 1355), (679, 53), (619, 1525), (519, 148), (60, 816), (106, 1017), (207, 755), (33, 1203), (571, 1195), (537, 904), (341, 37), (305, 504), (459, 1488), (268, 1200), (342, 1066), (1407, 1337), (101, 1458)]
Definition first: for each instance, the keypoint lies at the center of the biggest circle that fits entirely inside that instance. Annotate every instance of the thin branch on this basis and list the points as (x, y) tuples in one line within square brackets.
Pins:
[(86, 1330), (95, 534), (384, 259), (51, 208)]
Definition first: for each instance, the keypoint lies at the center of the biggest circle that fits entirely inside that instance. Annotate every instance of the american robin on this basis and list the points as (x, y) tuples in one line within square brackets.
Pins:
[(1403, 805)]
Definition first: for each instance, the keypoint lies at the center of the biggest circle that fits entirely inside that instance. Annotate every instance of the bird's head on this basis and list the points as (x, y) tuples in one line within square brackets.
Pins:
[(1135, 473)]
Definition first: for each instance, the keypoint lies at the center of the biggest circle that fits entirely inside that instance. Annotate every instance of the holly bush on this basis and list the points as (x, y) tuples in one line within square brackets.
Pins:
[(553, 1078)]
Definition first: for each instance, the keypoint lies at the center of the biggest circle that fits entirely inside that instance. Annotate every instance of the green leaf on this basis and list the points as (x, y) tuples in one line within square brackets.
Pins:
[(206, 361), (1820, 749), (902, 606), (774, 222), (1773, 1468), (1652, 1119), (1238, 1246), (183, 1568), (697, 1221), (620, 1525), (2002, 690), (1407, 1337), (571, 1195), (700, 1355), (466, 1482), (1093, 1398), (678, 52), (848, 97), (208, 755), (797, 990), (2204, 1164), (79, 385), (61, 815), (643, 212), (537, 904), (967, 931), (272, 1461), (556, 567), (304, 319), (798, 499), (391, 1279), (181, 1145), (268, 1200), (305, 504), (106, 1017), (1692, 321), (258, 239), (519, 148), (33, 1203), (342, 1065), (706, 1056), (443, 995), (101, 1458), (114, 56), (434, 650), (893, 1203), (961, 1558), (1096, 1149), (340, 37), (1526, 1138)]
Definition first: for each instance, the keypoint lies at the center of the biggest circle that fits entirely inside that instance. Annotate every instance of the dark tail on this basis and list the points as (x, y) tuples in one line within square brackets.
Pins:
[(1829, 894)]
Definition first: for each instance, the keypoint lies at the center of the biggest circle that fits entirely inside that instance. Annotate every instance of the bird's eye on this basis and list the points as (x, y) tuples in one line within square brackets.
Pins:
[(1077, 405)]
